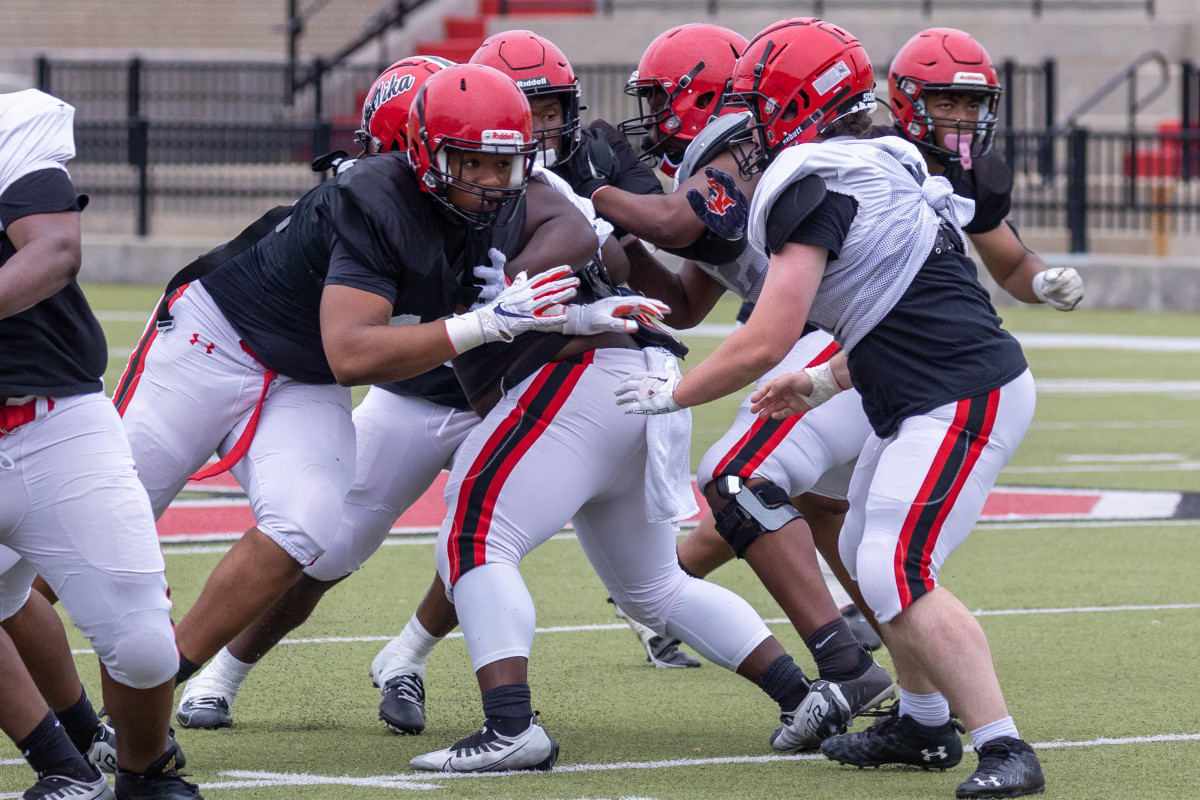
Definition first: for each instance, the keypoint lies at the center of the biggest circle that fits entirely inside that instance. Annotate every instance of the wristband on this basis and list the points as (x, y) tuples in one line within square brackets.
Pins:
[(824, 385), (464, 331)]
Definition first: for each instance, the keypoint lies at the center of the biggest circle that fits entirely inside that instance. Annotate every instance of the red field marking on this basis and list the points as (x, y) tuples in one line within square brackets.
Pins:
[(229, 516)]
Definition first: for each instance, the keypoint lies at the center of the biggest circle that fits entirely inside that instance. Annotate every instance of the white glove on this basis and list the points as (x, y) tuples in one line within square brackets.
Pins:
[(649, 392), (1060, 287), (493, 277), (612, 314), (526, 305)]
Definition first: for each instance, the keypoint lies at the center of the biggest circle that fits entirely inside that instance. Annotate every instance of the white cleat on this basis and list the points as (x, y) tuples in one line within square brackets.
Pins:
[(488, 751)]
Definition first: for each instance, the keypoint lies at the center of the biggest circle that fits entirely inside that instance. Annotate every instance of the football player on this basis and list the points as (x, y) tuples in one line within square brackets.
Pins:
[(406, 432), (944, 94), (73, 508), (262, 337), (810, 458), (865, 244)]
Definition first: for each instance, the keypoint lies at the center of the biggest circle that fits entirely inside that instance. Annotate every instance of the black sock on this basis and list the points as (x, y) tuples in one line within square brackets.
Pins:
[(784, 683), (838, 654), (508, 708), (186, 669), (80, 722), (683, 567), (49, 749)]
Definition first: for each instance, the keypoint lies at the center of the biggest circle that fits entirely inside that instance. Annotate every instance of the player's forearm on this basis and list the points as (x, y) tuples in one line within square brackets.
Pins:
[(738, 362), (1019, 282), (663, 220), (38, 270), (652, 278), (562, 240), (383, 353)]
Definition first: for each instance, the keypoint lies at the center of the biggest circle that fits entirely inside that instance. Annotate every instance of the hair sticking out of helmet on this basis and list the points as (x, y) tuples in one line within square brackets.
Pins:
[(797, 78), (679, 83), (385, 110), (470, 142), (932, 67), (540, 69)]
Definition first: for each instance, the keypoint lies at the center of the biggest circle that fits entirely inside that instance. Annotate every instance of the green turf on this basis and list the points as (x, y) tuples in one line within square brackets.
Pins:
[(1069, 677)]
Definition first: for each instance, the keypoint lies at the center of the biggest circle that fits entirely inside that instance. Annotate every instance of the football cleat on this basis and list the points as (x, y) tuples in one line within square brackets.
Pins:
[(160, 781), (829, 707), (402, 707), (861, 628), (54, 786), (102, 752), (204, 711), (661, 651), (898, 739), (488, 751), (1008, 767)]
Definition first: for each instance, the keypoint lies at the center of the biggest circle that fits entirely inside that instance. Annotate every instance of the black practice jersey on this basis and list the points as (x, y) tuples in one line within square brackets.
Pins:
[(370, 228), (55, 348)]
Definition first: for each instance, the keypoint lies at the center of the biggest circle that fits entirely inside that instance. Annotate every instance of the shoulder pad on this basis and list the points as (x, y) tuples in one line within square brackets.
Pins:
[(795, 203), (713, 140), (35, 133)]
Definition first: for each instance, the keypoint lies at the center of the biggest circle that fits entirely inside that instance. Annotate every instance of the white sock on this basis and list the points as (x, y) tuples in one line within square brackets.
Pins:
[(223, 675), (416, 643), (930, 710), (994, 730)]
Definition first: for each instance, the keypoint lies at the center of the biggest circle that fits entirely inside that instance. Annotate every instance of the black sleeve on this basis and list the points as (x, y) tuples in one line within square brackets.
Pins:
[(46, 191), (989, 183), (827, 226), (358, 257), (633, 175)]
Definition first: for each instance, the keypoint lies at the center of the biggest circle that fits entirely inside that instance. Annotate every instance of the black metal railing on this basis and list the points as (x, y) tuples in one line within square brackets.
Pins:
[(819, 8)]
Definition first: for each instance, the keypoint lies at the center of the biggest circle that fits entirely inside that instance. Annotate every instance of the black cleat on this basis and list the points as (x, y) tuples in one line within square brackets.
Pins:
[(58, 786), (898, 740), (402, 707), (160, 781), (1008, 767)]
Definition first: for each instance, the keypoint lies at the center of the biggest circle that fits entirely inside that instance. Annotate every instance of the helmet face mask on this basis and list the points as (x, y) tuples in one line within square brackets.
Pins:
[(471, 143), (679, 84), (933, 64), (540, 70), (797, 78)]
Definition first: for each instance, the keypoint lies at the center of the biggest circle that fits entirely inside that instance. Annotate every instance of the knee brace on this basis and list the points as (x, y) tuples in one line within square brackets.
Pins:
[(751, 511)]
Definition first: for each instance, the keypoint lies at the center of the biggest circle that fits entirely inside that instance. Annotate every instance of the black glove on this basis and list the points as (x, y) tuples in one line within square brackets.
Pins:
[(592, 165), (725, 210)]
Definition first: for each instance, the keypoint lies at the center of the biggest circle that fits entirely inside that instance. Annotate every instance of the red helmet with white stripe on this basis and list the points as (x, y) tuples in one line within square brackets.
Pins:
[(797, 78), (944, 60), (465, 109), (385, 109)]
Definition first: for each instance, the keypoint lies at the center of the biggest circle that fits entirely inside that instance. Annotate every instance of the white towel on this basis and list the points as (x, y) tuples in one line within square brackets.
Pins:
[(669, 495)]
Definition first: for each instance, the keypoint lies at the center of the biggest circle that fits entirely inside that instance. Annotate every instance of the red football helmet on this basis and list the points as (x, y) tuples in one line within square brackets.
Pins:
[(385, 110), (471, 107), (679, 84), (944, 60), (797, 77), (540, 69)]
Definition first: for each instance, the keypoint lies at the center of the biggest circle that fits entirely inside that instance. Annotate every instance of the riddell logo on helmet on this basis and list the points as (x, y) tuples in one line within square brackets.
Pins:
[(502, 137), (533, 83), (970, 77)]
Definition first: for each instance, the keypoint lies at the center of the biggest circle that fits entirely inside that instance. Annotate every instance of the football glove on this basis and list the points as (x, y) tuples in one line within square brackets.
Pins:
[(725, 210), (528, 304), (1059, 287), (493, 278), (592, 165), (611, 314), (649, 392)]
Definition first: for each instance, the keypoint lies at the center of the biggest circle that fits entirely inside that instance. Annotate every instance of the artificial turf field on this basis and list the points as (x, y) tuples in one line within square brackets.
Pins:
[(1094, 626)]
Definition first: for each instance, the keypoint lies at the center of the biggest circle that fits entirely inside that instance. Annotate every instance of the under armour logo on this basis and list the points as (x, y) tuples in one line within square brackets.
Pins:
[(939, 754), (208, 346), (992, 781), (718, 201)]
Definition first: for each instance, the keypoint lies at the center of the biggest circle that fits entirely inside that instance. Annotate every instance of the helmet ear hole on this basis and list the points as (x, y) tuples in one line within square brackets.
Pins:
[(705, 100)]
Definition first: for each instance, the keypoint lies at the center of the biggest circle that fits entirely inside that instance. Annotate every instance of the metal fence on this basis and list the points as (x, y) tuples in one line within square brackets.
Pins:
[(183, 139), (819, 8)]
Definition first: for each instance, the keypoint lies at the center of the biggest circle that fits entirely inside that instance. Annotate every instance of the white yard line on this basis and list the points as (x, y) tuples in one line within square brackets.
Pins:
[(620, 626)]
